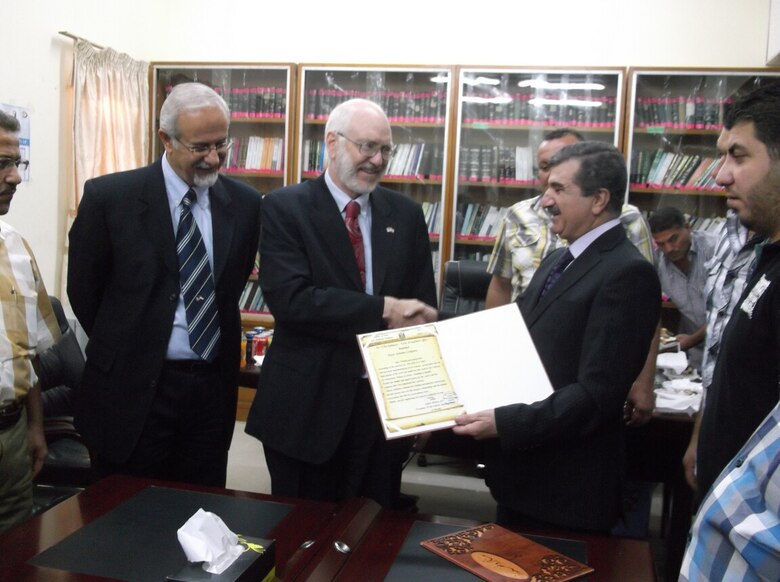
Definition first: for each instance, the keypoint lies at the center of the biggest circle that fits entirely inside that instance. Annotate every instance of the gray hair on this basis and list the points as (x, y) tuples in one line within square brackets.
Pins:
[(338, 120), (188, 97), (9, 123)]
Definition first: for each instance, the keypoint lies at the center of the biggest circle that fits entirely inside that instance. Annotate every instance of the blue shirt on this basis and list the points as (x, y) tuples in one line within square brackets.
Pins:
[(176, 188), (736, 535)]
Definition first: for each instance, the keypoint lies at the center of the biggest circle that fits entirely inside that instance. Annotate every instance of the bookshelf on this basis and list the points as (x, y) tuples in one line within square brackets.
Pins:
[(502, 115), (675, 118), (417, 101), (259, 97)]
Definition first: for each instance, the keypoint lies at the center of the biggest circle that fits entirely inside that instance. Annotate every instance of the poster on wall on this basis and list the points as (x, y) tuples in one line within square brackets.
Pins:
[(23, 115)]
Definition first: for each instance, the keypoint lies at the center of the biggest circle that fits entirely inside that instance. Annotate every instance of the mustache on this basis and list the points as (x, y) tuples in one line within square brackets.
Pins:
[(552, 211)]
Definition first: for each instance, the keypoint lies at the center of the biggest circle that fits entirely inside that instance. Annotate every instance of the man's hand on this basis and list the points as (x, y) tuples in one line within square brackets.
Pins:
[(640, 403), (403, 312), (685, 340), (689, 458), (36, 444), (480, 425)]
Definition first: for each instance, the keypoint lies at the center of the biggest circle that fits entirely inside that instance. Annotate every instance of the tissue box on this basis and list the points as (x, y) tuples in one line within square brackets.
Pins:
[(251, 566)]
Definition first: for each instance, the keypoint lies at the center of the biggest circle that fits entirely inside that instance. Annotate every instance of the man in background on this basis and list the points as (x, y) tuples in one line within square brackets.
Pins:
[(682, 259), (28, 327), (525, 239), (734, 259), (341, 256), (744, 385), (591, 309), (158, 259)]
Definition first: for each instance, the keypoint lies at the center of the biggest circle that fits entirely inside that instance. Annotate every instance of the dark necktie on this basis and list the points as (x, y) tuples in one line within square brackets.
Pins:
[(356, 238), (197, 283), (563, 262)]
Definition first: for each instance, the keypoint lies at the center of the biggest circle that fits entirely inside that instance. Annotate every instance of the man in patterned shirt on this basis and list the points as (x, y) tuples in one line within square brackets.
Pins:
[(524, 239), (27, 326), (736, 535)]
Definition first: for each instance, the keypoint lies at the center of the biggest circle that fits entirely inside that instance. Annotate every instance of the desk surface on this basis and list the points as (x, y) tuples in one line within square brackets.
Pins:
[(375, 536)]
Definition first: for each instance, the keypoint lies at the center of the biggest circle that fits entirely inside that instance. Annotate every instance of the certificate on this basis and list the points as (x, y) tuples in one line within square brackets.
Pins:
[(423, 376)]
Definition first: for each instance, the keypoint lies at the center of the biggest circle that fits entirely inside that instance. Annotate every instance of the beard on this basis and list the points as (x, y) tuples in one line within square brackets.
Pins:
[(206, 181), (348, 173), (762, 205)]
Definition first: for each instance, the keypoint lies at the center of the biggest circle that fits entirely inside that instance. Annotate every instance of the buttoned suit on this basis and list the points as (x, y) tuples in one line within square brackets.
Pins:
[(560, 459), (123, 285), (311, 282)]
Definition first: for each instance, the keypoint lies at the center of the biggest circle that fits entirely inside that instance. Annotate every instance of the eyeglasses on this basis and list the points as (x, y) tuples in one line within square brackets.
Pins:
[(370, 149), (6, 163), (220, 147)]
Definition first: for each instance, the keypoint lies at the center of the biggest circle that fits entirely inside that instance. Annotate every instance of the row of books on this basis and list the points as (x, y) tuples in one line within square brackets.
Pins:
[(418, 160), (252, 102), (252, 298), (554, 111), (674, 170), (400, 106), (256, 153), (477, 221), (432, 213), (497, 164), (686, 112)]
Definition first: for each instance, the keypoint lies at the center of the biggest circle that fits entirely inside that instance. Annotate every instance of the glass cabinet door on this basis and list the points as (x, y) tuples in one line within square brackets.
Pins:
[(503, 115), (675, 120), (260, 129), (416, 101)]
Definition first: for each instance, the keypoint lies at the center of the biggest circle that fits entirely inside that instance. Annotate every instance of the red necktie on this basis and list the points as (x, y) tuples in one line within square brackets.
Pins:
[(356, 238)]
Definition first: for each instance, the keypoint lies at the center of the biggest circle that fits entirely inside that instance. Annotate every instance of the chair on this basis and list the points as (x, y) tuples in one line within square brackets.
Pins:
[(67, 468), (465, 286)]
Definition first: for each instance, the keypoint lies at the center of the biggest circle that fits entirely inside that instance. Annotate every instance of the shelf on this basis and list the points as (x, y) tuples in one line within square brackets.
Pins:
[(677, 191), (253, 173), (520, 185), (475, 241), (250, 319), (543, 127), (259, 120), (393, 123), (662, 130)]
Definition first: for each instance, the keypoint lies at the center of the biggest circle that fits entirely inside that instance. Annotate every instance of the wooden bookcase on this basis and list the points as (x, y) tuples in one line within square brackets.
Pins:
[(259, 97), (675, 118), (417, 101), (502, 115)]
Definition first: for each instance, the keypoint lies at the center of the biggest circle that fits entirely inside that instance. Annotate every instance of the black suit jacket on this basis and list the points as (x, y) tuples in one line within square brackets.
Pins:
[(560, 459), (311, 282), (123, 285)]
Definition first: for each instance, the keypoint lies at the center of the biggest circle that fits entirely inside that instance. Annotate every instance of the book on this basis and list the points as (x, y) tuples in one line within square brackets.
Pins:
[(494, 553)]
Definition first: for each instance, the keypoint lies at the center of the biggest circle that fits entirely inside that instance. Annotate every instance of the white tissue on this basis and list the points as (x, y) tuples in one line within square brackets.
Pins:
[(206, 538), (674, 361)]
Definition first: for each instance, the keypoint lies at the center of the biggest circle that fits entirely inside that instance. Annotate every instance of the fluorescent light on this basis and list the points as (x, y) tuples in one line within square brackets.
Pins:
[(542, 84), (440, 79), (480, 81)]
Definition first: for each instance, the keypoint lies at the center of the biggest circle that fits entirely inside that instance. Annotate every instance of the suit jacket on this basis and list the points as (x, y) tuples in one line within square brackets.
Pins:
[(560, 459), (311, 282), (123, 285)]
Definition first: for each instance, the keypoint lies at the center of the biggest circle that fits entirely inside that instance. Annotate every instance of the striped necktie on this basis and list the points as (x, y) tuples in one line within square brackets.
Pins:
[(197, 283), (556, 272)]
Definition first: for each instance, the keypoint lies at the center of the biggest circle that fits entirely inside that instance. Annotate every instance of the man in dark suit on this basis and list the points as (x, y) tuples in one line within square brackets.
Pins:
[(159, 388), (325, 281), (558, 461)]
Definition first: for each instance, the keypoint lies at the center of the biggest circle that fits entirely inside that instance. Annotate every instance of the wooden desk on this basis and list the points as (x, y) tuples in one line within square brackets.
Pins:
[(375, 537)]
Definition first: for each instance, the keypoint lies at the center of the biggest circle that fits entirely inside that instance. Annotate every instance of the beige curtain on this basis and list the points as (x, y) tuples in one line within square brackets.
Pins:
[(110, 119)]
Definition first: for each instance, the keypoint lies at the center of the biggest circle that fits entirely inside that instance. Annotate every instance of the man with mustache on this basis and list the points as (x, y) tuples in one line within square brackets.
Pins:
[(341, 255), (736, 534), (28, 326), (591, 310), (158, 259)]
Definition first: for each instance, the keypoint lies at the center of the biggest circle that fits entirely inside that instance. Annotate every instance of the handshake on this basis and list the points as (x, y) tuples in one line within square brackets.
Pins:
[(404, 312)]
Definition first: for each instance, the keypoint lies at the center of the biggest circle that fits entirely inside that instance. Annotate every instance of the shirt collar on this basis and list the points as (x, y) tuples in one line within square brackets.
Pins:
[(342, 198), (176, 188), (581, 244)]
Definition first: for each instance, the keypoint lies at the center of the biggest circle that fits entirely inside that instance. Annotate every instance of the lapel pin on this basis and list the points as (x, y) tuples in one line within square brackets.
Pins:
[(391, 230)]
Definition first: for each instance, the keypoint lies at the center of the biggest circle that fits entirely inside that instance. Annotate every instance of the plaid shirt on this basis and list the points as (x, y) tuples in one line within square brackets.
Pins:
[(524, 239), (727, 273), (27, 323), (736, 535)]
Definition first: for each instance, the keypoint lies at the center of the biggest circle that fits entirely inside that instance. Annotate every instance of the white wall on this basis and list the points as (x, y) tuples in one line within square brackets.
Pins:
[(36, 73)]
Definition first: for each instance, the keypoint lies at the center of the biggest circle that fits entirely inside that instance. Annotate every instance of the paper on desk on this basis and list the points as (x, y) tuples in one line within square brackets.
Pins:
[(679, 395), (474, 362), (674, 361), (205, 538)]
